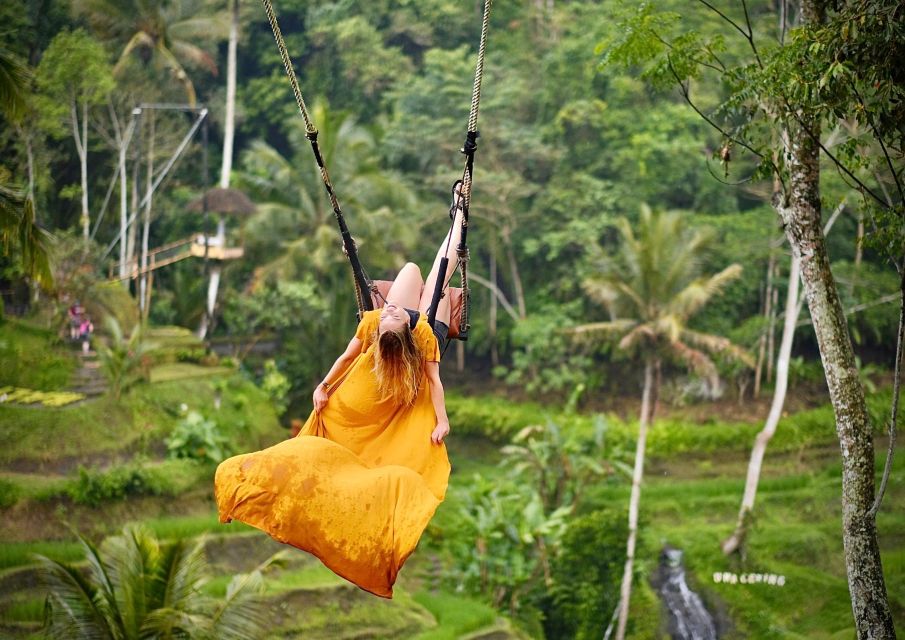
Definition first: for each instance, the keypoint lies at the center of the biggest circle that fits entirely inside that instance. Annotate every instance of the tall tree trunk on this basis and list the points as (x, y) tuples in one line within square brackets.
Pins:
[(146, 222), (123, 207), (131, 234), (30, 159), (768, 311), (859, 242), (80, 135), (214, 284), (492, 325), (229, 127), (648, 403), (516, 280), (761, 345), (229, 131), (859, 250), (86, 219), (801, 217), (737, 539), (771, 326)]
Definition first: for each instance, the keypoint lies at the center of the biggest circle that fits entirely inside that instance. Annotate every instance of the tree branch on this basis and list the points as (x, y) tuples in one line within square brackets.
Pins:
[(669, 45), (829, 223), (716, 57), (747, 35), (858, 307), (74, 120), (896, 389), (495, 290), (726, 182), (879, 138), (707, 119), (724, 17), (751, 35)]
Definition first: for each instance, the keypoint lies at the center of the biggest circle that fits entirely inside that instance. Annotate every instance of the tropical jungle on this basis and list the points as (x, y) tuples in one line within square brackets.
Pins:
[(674, 402)]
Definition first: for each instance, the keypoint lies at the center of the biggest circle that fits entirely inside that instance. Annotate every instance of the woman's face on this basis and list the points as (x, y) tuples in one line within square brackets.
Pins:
[(392, 318)]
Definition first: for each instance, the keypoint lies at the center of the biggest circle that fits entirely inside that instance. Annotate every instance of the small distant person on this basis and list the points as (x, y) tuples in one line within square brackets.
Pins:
[(75, 320), (86, 329)]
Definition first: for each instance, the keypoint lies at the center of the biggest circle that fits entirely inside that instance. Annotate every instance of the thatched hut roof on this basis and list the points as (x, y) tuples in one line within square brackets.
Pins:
[(227, 201)]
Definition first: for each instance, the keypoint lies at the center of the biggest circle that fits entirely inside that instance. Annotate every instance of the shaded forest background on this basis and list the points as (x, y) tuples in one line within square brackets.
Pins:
[(567, 146)]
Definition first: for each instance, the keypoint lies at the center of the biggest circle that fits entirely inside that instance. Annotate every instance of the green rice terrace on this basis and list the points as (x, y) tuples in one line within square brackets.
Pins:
[(96, 464), (423, 320)]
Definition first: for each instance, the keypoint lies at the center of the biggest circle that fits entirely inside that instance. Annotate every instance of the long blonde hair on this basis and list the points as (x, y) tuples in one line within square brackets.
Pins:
[(398, 366)]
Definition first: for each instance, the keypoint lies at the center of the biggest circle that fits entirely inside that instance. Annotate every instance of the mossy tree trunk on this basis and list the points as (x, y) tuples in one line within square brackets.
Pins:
[(801, 219)]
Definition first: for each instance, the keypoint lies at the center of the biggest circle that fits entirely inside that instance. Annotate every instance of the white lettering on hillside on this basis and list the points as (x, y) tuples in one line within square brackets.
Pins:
[(771, 579)]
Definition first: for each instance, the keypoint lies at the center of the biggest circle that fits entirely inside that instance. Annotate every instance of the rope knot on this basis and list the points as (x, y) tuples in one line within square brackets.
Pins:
[(311, 134)]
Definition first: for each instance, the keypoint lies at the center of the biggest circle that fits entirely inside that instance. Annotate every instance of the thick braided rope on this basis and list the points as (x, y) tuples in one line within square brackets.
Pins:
[(299, 100), (476, 98), (479, 70), (462, 257), (309, 128), (287, 64), (465, 313)]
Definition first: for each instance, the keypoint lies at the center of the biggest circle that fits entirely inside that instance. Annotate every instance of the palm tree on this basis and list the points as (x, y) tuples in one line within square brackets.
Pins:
[(15, 79), (164, 34), (229, 131), (652, 288), (293, 235), (135, 587), (292, 202), (18, 225), (123, 357)]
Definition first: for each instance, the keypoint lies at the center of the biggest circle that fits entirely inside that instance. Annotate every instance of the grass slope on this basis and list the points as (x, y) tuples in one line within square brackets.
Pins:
[(689, 500), (796, 533), (140, 419), (33, 358)]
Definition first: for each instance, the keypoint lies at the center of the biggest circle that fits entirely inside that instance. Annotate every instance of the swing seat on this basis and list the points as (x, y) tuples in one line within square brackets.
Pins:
[(455, 305)]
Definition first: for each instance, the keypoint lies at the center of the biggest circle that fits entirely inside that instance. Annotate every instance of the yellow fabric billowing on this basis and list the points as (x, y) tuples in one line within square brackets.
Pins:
[(358, 485)]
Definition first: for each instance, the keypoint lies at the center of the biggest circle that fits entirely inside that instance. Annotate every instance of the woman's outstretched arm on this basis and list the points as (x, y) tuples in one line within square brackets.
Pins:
[(439, 401), (320, 391)]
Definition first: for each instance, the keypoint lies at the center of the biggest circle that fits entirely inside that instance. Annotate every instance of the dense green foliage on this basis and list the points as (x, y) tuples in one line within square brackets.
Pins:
[(95, 486), (198, 438), (585, 577), (499, 420), (585, 127), (123, 358), (32, 358), (10, 492), (388, 87)]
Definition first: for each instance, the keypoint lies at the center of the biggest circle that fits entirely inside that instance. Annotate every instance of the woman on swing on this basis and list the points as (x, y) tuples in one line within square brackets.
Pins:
[(363, 478)]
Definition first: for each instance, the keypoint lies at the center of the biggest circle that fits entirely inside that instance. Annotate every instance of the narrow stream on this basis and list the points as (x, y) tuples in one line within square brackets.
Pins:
[(688, 618)]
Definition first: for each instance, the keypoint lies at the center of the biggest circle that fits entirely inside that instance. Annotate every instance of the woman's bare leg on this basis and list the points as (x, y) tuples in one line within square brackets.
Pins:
[(448, 250), (406, 289)]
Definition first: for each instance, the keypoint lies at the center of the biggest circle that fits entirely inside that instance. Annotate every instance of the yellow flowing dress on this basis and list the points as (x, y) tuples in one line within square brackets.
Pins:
[(360, 482)]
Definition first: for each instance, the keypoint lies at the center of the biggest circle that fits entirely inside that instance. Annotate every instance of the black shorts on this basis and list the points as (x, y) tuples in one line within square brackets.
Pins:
[(441, 331), (440, 328)]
